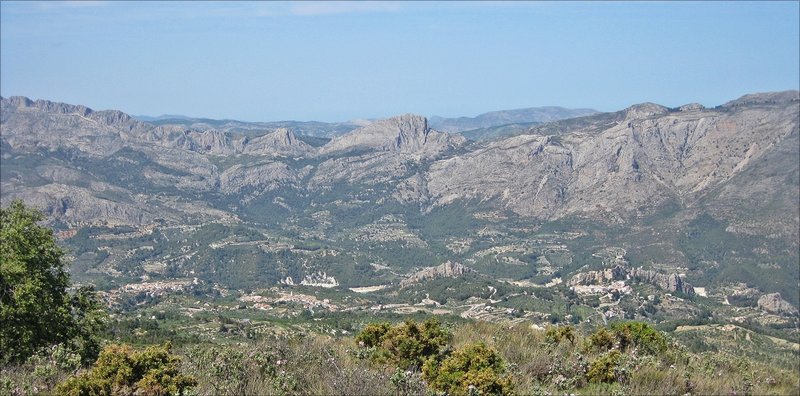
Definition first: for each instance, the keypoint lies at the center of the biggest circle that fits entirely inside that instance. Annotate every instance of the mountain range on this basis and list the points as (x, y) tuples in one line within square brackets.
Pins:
[(708, 193), (505, 117)]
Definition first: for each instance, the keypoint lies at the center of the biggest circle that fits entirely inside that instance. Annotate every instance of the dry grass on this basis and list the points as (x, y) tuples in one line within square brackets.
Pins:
[(322, 365)]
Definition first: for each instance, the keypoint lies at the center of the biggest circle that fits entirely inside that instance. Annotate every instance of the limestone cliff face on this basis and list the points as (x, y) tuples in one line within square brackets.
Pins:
[(738, 161), (774, 303), (625, 166), (598, 277), (669, 282), (281, 141), (446, 270), (407, 134), (28, 125), (260, 177), (85, 206)]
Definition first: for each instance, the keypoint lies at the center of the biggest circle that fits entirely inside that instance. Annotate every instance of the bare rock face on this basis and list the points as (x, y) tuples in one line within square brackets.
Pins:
[(598, 277), (691, 107), (30, 125), (445, 270), (412, 190), (774, 303), (282, 141), (370, 168), (526, 173), (621, 168), (671, 282), (645, 110), (260, 177), (765, 99), (407, 133), (80, 205)]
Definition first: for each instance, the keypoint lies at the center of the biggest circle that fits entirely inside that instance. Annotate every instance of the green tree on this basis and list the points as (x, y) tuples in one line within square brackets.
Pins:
[(35, 308)]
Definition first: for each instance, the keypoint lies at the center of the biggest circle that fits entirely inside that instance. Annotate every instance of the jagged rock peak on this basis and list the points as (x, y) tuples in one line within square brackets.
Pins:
[(407, 133), (408, 123), (279, 141), (765, 98), (282, 136), (645, 110)]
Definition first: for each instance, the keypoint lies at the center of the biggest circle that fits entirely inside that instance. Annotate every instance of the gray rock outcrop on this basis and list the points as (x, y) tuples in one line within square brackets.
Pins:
[(446, 270), (774, 303), (407, 134), (671, 282), (598, 277)]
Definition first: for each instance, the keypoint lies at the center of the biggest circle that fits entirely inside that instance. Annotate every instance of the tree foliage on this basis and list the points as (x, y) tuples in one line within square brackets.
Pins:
[(473, 369), (408, 344), (36, 309), (120, 370)]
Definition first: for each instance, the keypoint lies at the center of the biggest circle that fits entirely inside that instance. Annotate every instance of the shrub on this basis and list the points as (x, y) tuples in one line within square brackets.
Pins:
[(474, 369), (640, 336), (555, 335), (601, 340), (408, 344), (121, 370), (603, 369), (231, 370), (372, 334)]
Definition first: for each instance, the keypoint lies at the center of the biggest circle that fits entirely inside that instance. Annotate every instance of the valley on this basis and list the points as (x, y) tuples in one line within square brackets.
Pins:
[(613, 215)]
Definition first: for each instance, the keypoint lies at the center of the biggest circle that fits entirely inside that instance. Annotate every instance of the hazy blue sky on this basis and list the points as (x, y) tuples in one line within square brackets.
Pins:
[(338, 61)]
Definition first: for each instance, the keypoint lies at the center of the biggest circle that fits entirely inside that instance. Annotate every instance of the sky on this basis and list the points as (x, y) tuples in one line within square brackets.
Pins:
[(337, 61)]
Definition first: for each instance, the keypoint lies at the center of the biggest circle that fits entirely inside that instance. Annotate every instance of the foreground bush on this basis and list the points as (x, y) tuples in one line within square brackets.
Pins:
[(479, 358), (474, 369), (120, 370), (407, 345), (229, 370)]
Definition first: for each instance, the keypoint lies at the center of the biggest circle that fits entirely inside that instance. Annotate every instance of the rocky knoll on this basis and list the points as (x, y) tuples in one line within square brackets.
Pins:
[(266, 176), (446, 270), (774, 303), (598, 277), (671, 282)]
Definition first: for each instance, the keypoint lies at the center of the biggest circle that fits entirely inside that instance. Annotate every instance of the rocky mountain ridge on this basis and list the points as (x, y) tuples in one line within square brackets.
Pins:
[(691, 190), (647, 157)]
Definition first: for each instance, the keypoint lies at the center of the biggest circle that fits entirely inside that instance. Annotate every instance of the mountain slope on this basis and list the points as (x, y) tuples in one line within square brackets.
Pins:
[(708, 193)]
